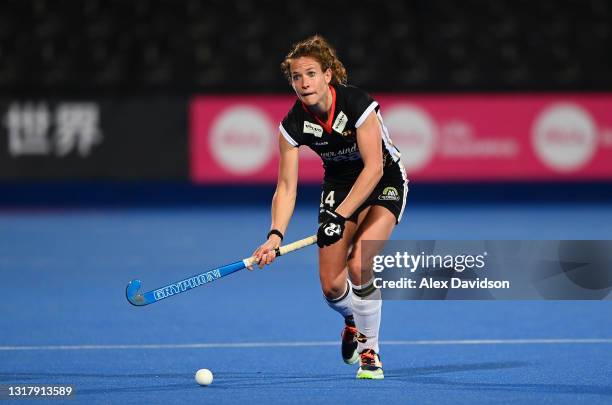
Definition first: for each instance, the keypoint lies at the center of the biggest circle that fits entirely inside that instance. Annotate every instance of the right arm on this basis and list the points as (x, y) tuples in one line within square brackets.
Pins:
[(283, 201)]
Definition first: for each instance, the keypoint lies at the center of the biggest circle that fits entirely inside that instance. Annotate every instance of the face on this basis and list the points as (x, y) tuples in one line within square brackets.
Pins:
[(309, 81)]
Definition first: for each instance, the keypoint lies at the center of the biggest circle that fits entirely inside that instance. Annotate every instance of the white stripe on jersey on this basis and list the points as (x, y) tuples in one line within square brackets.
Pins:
[(395, 154), (287, 136), (406, 181), (365, 114)]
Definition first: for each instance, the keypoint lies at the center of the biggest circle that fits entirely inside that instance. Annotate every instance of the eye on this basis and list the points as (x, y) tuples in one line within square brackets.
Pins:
[(311, 74), (295, 77)]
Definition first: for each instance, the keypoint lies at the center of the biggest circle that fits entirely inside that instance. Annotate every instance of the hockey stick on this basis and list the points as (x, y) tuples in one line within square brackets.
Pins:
[(140, 299)]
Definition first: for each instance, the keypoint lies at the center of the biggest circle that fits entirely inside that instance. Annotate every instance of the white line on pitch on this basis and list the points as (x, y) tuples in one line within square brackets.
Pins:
[(312, 344)]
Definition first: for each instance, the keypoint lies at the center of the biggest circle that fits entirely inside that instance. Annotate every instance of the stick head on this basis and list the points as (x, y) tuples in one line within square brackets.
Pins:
[(132, 294)]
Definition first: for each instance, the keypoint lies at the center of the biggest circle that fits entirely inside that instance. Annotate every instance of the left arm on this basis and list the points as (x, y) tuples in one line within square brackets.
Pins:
[(369, 141)]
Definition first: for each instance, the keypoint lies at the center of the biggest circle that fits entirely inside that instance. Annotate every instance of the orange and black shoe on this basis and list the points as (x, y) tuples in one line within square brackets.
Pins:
[(349, 341), (370, 366)]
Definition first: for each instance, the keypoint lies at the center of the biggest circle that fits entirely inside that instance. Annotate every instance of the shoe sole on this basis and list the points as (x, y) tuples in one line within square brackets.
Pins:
[(368, 375)]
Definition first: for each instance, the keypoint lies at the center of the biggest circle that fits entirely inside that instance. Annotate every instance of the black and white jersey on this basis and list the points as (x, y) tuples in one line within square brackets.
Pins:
[(335, 140)]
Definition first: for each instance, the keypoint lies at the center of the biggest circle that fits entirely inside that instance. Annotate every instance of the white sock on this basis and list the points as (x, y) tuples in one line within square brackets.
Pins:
[(367, 308), (342, 304)]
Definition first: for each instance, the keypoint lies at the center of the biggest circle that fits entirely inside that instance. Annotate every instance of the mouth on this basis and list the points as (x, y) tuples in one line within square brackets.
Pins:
[(308, 94)]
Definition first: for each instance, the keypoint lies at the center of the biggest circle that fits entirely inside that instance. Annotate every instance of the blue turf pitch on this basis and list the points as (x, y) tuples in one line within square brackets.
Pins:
[(65, 319)]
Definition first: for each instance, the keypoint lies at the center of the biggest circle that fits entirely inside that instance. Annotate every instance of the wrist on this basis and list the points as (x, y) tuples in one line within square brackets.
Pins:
[(336, 215), (275, 239), (276, 233), (341, 215)]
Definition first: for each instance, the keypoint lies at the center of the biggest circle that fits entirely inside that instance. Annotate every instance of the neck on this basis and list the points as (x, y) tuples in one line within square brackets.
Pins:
[(323, 107)]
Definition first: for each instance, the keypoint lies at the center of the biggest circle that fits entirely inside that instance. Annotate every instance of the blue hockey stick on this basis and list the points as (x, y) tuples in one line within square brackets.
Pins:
[(140, 299)]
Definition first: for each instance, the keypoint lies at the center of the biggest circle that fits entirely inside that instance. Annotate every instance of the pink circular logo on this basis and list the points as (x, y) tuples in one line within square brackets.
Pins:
[(564, 137), (414, 133), (241, 139)]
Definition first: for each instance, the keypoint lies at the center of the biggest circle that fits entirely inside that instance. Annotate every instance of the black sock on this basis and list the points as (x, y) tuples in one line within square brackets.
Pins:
[(349, 321)]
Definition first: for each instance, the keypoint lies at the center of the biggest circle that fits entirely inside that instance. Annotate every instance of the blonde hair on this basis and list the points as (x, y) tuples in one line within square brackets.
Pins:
[(319, 49)]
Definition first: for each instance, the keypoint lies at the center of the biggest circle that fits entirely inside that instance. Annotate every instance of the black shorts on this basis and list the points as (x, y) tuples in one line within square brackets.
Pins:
[(388, 194)]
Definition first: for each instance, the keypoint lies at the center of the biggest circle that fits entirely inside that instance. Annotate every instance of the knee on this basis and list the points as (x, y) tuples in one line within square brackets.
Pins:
[(333, 290)]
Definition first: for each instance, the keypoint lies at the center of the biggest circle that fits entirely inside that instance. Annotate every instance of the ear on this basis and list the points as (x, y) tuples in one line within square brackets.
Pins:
[(328, 75)]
